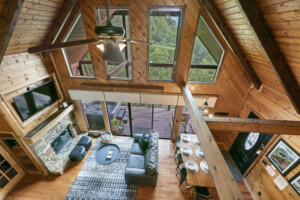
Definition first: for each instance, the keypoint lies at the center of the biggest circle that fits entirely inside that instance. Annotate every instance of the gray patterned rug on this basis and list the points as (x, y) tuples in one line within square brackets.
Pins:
[(104, 182)]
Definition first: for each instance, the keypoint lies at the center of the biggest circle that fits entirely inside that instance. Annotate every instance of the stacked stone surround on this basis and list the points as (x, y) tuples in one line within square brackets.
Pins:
[(56, 164)]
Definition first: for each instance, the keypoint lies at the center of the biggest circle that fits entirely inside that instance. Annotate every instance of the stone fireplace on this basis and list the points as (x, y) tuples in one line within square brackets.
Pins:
[(54, 147)]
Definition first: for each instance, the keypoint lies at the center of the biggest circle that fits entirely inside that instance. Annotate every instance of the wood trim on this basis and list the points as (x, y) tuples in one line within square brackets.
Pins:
[(253, 125), (8, 20), (46, 128), (255, 19), (105, 116), (215, 15), (122, 87), (223, 179), (59, 23)]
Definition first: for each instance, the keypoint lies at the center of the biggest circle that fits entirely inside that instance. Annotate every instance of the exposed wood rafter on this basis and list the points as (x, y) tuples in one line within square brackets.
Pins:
[(223, 179), (8, 20), (59, 23), (253, 125), (215, 15), (260, 29)]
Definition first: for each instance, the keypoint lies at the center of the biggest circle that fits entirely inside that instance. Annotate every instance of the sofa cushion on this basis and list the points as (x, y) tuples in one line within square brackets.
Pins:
[(144, 142), (153, 140), (136, 161), (150, 162), (136, 149)]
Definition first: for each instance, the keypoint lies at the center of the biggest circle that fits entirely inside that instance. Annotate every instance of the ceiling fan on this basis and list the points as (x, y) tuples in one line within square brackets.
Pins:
[(108, 41)]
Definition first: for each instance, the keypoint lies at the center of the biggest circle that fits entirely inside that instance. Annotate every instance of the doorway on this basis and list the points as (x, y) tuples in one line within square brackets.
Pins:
[(247, 147)]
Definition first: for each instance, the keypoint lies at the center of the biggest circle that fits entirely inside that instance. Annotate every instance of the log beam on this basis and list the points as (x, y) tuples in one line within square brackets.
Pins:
[(262, 32), (253, 125), (105, 116), (8, 20), (59, 23), (223, 179), (215, 15), (176, 123)]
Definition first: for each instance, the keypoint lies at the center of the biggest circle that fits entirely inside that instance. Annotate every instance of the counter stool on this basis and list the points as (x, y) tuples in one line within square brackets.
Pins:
[(203, 194), (179, 160), (177, 147), (183, 175)]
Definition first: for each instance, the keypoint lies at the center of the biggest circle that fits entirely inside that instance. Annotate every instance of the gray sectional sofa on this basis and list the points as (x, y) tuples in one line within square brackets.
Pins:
[(142, 167)]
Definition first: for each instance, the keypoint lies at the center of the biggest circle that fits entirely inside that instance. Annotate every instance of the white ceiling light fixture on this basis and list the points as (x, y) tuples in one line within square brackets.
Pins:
[(111, 51)]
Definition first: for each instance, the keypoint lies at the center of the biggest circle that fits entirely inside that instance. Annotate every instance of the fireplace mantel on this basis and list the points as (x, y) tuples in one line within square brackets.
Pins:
[(44, 127)]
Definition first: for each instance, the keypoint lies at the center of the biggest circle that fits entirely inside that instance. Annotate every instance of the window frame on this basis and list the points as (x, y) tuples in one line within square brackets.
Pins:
[(217, 67), (178, 41), (65, 53), (129, 25)]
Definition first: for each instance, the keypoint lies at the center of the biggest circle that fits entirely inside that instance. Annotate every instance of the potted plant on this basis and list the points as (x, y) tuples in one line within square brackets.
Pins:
[(121, 127), (114, 124)]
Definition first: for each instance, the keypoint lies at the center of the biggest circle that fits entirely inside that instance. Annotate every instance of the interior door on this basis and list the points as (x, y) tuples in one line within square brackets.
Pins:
[(247, 147), (10, 172)]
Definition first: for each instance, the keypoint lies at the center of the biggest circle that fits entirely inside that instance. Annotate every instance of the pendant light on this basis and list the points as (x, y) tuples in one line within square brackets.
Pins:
[(111, 51)]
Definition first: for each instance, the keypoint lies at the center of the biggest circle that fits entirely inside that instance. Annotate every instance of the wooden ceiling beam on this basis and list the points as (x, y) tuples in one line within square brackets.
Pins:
[(59, 23), (225, 184), (8, 20), (220, 23), (262, 32), (253, 125)]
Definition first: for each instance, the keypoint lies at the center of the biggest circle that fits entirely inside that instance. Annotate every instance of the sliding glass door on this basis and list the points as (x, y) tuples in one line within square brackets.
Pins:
[(126, 119)]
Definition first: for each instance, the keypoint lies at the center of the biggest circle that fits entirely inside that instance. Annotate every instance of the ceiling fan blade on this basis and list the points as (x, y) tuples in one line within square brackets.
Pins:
[(51, 47), (134, 41)]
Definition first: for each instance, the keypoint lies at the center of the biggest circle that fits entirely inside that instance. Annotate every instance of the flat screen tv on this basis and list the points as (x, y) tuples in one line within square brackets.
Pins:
[(35, 100)]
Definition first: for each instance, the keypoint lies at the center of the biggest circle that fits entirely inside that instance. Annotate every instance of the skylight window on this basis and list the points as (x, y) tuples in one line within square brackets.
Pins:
[(119, 17), (207, 56), (164, 29), (78, 58)]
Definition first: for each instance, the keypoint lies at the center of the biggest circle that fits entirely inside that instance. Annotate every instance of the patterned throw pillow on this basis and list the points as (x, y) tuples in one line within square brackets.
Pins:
[(150, 162), (144, 142)]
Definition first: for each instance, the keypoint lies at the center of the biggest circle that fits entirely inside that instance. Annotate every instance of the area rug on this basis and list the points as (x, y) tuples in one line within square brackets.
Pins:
[(104, 182)]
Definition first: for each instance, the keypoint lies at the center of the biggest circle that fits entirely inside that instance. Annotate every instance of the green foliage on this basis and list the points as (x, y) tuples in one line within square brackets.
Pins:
[(200, 54), (202, 75)]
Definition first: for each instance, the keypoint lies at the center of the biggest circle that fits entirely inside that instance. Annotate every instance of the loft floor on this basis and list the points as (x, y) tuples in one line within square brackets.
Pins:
[(36, 187)]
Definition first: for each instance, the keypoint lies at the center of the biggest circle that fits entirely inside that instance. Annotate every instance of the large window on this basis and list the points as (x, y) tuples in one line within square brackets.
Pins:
[(120, 18), (207, 55), (163, 34), (78, 58)]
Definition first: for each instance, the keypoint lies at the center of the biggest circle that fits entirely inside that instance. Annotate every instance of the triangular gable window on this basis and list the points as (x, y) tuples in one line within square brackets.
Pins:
[(78, 58), (207, 55)]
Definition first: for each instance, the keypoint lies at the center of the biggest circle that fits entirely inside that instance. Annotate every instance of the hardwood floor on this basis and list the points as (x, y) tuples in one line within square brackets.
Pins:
[(36, 187)]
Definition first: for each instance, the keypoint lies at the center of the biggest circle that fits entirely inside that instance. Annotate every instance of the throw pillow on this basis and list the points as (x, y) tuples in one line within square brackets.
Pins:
[(150, 162), (144, 142)]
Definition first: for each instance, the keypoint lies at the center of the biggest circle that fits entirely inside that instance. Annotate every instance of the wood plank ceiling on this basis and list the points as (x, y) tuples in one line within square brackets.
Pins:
[(283, 18), (33, 24)]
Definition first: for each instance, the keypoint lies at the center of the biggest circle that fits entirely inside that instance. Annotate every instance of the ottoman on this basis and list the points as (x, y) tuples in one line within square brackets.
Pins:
[(77, 154), (86, 142)]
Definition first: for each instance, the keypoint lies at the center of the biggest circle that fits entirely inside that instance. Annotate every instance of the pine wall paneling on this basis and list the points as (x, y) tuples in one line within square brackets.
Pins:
[(33, 24), (268, 104)]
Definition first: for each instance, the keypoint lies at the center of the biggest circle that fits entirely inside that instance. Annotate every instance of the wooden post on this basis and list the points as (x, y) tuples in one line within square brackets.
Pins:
[(225, 184), (176, 122), (105, 116)]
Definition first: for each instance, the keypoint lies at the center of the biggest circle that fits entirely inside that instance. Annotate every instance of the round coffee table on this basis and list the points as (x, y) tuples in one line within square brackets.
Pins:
[(102, 152)]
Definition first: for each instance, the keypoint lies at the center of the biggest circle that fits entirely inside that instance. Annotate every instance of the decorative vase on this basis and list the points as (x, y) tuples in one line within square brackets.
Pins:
[(106, 137)]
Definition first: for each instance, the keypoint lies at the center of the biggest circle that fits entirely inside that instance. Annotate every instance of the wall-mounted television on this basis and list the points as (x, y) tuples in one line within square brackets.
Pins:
[(36, 99)]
